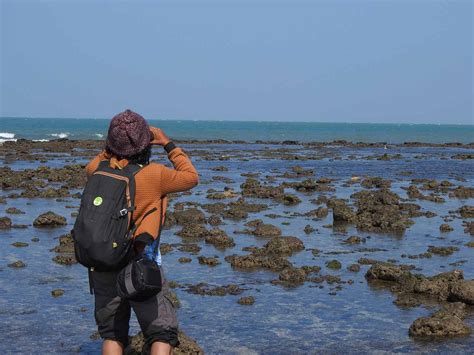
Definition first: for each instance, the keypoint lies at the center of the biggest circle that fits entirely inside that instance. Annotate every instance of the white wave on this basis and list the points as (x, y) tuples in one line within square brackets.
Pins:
[(40, 140), (7, 135), (60, 135), (7, 140), (99, 135)]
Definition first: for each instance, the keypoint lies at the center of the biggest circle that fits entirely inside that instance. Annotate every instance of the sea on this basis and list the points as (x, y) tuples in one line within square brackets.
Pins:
[(13, 128)]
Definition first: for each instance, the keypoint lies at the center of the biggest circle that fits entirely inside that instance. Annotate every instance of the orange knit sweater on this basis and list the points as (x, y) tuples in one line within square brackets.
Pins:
[(153, 183)]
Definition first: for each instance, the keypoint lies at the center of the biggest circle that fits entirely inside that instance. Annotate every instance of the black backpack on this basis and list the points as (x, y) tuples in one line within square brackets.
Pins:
[(104, 228)]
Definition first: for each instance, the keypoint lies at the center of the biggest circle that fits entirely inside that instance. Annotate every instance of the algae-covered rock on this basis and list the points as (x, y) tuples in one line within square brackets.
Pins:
[(49, 219)]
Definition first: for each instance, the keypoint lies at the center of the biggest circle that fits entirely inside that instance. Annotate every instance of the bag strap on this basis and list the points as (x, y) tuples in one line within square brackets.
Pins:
[(130, 171), (157, 241)]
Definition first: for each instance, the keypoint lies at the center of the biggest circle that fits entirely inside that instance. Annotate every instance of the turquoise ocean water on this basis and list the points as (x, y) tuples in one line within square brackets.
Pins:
[(53, 128)]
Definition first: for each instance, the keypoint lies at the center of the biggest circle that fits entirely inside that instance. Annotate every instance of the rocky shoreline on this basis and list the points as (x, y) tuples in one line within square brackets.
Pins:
[(231, 205)]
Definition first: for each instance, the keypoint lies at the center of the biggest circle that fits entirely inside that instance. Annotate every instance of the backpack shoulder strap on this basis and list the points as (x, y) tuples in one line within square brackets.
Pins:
[(103, 164), (130, 171)]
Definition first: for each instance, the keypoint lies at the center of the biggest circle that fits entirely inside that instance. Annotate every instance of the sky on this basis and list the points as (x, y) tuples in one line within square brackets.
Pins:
[(324, 61)]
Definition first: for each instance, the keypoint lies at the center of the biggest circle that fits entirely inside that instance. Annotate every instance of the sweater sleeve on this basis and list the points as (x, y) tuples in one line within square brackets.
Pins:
[(183, 177), (94, 163)]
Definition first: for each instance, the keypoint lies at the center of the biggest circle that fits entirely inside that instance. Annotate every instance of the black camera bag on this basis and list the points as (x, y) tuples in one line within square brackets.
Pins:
[(141, 278)]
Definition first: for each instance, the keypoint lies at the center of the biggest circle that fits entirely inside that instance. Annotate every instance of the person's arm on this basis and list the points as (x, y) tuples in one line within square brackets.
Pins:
[(184, 176), (94, 163)]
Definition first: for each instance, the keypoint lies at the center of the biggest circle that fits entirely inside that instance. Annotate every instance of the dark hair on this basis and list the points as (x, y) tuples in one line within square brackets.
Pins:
[(142, 157)]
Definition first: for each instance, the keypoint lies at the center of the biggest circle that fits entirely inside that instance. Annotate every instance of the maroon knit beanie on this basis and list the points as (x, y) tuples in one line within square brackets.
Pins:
[(128, 134)]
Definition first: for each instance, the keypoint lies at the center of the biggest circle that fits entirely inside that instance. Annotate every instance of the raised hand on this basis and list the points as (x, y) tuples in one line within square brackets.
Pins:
[(158, 137)]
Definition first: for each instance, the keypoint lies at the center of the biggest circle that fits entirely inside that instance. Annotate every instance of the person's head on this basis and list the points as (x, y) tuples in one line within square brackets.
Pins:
[(129, 137)]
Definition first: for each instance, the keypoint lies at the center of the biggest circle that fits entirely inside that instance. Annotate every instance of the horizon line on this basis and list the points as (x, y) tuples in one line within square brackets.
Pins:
[(244, 120)]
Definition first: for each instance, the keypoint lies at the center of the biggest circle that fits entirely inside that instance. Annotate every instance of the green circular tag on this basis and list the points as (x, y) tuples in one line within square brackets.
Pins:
[(98, 201)]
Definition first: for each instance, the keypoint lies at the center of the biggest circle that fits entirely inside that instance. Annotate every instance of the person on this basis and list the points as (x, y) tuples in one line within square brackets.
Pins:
[(129, 141)]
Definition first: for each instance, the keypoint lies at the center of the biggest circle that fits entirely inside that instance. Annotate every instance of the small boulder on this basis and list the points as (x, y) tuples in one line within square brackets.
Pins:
[(49, 219), (445, 228), (57, 293), (5, 223), (247, 300), (211, 261), (444, 323), (17, 264), (462, 291), (14, 210), (333, 264), (20, 244)]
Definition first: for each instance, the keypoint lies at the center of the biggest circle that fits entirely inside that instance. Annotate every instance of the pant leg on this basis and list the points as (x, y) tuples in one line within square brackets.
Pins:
[(157, 318), (112, 314)]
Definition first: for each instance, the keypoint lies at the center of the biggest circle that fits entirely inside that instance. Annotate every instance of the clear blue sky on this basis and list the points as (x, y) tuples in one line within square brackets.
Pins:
[(344, 61)]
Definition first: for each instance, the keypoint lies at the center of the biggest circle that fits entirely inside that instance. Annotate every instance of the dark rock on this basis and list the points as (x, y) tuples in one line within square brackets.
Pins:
[(65, 259), (184, 259), (211, 261), (189, 248), (5, 223), (222, 195), (443, 323), (445, 228), (354, 267), (341, 212), (291, 200), (354, 239), (308, 229), (49, 219), (240, 209), (165, 248), (467, 211), (386, 272), (267, 231), (463, 192), (246, 300), (220, 168), (14, 210), (333, 264), (190, 216), (367, 261), (375, 182), (462, 291), (219, 239), (20, 244), (309, 185), (292, 275), (442, 250), (469, 228), (379, 211), (57, 293), (407, 300), (65, 249), (252, 188), (253, 261), (17, 264), (205, 290), (193, 231), (214, 220)]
